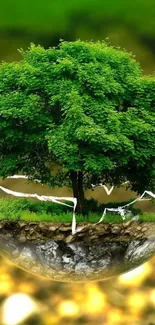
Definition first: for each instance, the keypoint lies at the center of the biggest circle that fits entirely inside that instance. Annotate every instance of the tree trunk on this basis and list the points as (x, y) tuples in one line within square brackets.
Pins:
[(81, 192), (78, 192)]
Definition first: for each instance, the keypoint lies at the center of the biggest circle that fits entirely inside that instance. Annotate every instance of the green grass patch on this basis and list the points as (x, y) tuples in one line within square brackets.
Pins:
[(28, 210)]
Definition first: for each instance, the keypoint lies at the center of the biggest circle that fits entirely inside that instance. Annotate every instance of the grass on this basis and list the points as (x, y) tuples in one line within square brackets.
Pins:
[(28, 210)]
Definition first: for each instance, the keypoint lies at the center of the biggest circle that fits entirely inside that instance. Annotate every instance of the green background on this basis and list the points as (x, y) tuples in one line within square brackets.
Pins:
[(129, 23)]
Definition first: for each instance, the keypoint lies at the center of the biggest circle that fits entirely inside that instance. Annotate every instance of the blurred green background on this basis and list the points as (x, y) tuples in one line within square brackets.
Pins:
[(130, 24)]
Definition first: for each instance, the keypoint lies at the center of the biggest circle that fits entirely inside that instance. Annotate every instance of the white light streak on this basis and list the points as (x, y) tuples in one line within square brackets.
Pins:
[(121, 210), (55, 199), (108, 191)]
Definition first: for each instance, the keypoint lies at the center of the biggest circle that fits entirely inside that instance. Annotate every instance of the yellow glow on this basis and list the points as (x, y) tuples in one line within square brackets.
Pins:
[(96, 300), (5, 287), (51, 319), (136, 302), (136, 276), (5, 283), (108, 303), (27, 287), (68, 308), (16, 308), (4, 277), (152, 296), (114, 317)]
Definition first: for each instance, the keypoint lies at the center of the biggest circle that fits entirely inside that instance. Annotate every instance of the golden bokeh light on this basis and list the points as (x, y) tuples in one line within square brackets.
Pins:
[(123, 300), (68, 308), (16, 308), (96, 300), (136, 302)]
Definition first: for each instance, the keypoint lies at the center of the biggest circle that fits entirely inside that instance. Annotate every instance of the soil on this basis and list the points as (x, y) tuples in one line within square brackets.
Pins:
[(38, 232), (95, 252)]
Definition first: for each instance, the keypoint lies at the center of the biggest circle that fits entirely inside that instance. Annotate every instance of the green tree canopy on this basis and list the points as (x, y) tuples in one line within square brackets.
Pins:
[(84, 106)]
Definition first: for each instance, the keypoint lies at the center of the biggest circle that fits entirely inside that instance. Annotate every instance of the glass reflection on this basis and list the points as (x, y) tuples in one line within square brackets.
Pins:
[(96, 252)]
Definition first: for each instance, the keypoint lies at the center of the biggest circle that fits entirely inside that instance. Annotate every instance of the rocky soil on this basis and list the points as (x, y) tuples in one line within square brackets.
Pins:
[(39, 232), (96, 252), (77, 262)]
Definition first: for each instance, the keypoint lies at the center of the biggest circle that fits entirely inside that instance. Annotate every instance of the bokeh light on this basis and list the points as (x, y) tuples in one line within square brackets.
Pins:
[(16, 308), (30, 300)]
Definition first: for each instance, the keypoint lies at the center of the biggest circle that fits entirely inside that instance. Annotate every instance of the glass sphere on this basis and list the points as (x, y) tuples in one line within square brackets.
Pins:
[(96, 252)]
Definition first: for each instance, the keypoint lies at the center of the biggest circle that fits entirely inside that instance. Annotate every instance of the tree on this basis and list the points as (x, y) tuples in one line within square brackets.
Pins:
[(83, 106)]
